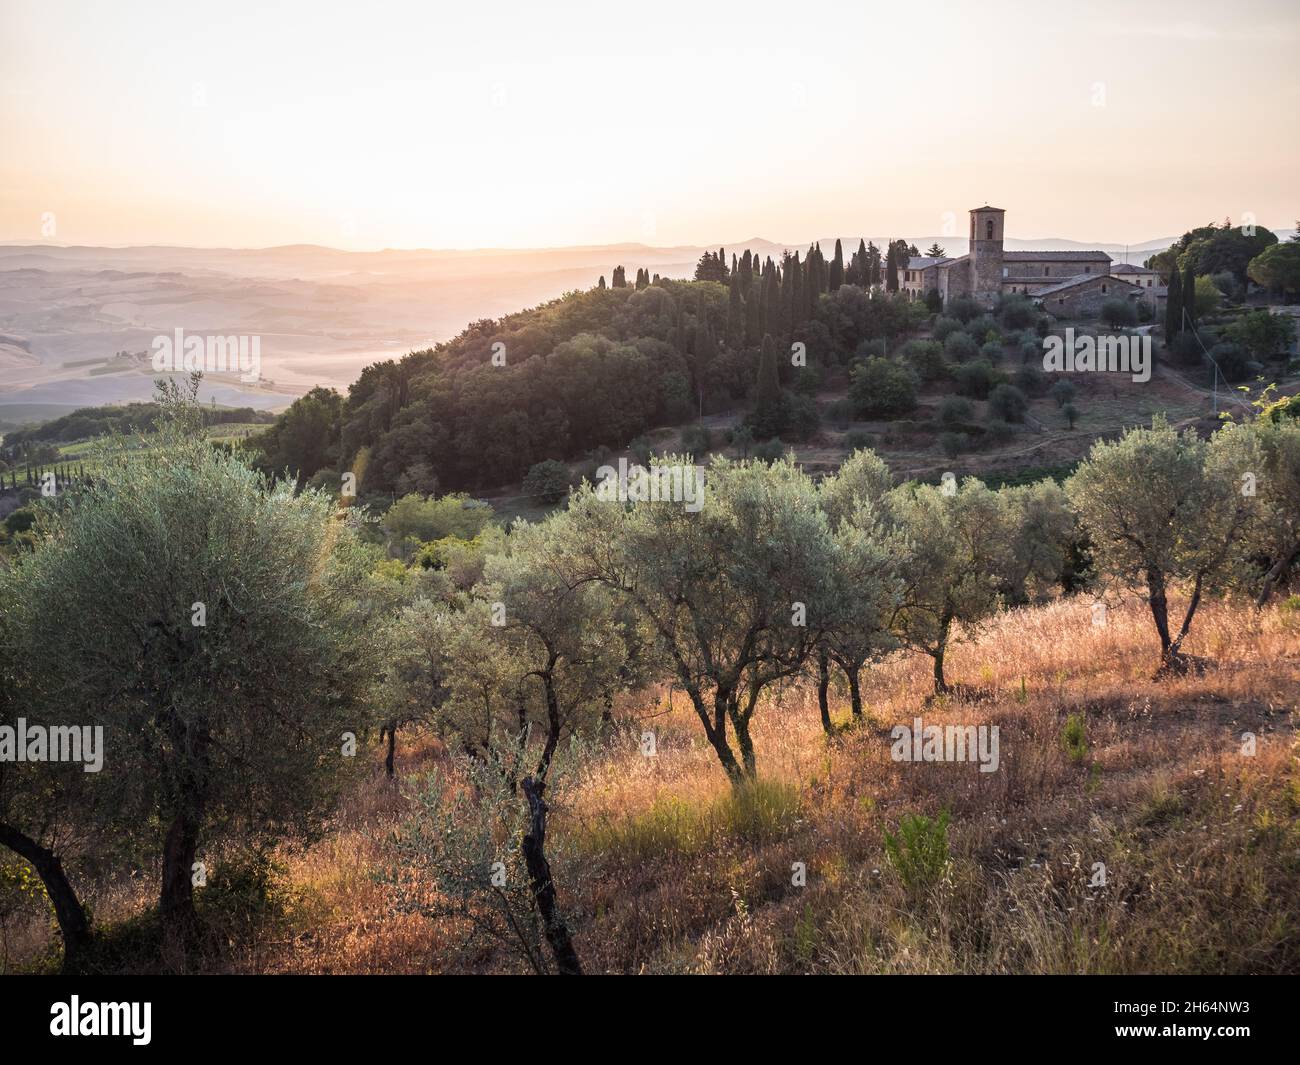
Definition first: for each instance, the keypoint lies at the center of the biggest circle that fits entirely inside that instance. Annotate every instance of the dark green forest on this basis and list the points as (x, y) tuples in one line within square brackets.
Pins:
[(593, 370)]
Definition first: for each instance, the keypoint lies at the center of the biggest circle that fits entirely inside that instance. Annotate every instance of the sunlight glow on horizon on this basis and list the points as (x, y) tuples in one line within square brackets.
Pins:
[(674, 123)]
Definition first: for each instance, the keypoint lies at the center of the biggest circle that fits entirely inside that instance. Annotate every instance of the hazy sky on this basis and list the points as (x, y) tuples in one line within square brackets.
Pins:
[(519, 123)]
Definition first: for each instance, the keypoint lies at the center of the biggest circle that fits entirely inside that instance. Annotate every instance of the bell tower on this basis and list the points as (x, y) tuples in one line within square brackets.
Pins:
[(986, 253)]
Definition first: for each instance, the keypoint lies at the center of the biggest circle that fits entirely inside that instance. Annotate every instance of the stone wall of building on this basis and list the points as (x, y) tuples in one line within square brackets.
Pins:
[(1084, 299)]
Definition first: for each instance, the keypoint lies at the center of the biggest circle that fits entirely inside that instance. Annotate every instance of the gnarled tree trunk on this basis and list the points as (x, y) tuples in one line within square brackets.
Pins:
[(74, 925), (176, 901), (543, 887), (823, 687)]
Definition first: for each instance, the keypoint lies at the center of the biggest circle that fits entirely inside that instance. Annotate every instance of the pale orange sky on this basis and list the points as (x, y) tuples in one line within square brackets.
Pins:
[(518, 124)]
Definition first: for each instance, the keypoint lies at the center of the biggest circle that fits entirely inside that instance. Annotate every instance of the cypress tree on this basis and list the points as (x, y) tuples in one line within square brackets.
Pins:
[(771, 316), (753, 317), (767, 393), (891, 269), (837, 268), (1189, 294), (798, 304), (873, 265), (735, 314), (1174, 306)]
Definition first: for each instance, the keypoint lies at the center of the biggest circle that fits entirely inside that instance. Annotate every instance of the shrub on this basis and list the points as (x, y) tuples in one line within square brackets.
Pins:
[(944, 327), (959, 347), (1016, 312), (696, 440), (919, 853), (547, 481), (881, 389), (769, 451), (1063, 391), (974, 378), (839, 413), (926, 358), (1071, 414), (992, 350), (964, 308), (1008, 403), (802, 418), (1186, 348), (640, 447), (1119, 313), (953, 444), (1262, 334), (983, 329), (1233, 360), (1074, 739), (858, 439), (1030, 379), (1206, 297), (954, 410)]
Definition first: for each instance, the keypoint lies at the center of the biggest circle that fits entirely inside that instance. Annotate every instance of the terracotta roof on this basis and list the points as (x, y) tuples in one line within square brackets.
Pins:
[(1083, 279), (1129, 268), (986, 207), (924, 262), (1055, 256)]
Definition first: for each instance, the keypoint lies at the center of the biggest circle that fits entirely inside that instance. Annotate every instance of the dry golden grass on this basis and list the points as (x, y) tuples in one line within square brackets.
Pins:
[(662, 869)]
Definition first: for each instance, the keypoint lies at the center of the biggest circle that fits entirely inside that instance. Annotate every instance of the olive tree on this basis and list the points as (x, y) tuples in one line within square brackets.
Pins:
[(43, 805), (865, 589), (1265, 457), (206, 619), (960, 550), (1042, 527), (1162, 508), (727, 587), (562, 635)]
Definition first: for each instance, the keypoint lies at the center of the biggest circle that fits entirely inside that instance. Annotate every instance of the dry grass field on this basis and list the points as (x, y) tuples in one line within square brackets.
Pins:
[(660, 867)]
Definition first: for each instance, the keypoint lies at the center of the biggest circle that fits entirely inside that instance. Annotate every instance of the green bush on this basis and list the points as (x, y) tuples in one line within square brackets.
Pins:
[(960, 346), (1074, 738), (974, 379), (964, 308), (1030, 379), (955, 410), (926, 358), (953, 444), (881, 389), (1063, 391), (696, 441), (919, 853), (944, 327), (983, 329), (769, 451), (1187, 347), (1008, 403), (1119, 313), (547, 481), (1016, 312)]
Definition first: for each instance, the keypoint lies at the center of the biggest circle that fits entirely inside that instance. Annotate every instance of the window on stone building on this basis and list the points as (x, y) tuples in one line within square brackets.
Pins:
[(1047, 271), (988, 229)]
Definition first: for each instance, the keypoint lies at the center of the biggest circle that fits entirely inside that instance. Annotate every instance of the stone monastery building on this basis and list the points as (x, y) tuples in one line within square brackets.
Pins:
[(1067, 284)]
